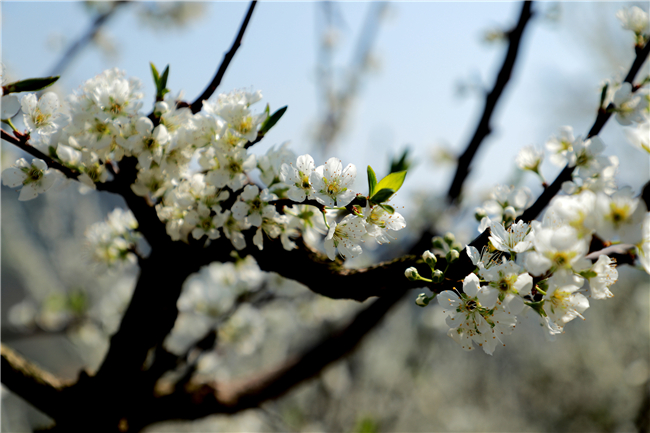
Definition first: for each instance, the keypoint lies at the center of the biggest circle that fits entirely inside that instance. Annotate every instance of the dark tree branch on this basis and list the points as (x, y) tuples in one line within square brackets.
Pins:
[(40, 388), (198, 103), (85, 39), (200, 400), (567, 172), (483, 128), (21, 142)]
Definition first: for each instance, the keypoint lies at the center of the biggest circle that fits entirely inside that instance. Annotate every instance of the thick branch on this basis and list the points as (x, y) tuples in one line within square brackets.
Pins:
[(484, 129), (38, 387), (206, 399), (601, 119), (198, 103)]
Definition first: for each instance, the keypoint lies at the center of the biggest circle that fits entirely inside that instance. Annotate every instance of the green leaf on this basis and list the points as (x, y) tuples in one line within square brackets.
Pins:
[(271, 121), (156, 75), (393, 181), (163, 79), (400, 164), (372, 181), (29, 85), (382, 195), (387, 208)]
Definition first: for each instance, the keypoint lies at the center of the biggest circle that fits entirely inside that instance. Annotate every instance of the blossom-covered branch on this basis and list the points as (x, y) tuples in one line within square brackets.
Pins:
[(483, 128), (601, 119)]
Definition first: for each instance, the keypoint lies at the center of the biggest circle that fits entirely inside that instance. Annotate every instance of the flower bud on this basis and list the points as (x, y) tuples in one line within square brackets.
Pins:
[(449, 238), (479, 213), (422, 300), (438, 242), (429, 259), (438, 276), (510, 213), (412, 274), (452, 256), (457, 246)]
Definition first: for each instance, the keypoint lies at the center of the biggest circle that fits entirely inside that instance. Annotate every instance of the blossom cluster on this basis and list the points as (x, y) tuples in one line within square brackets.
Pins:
[(544, 266), (196, 168)]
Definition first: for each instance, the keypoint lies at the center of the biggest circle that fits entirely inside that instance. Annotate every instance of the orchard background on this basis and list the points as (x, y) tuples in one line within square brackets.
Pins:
[(399, 75)]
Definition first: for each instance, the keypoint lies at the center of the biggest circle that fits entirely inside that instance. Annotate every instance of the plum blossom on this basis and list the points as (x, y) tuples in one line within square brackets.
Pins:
[(620, 215), (345, 236), (331, 183), (35, 178), (254, 205), (602, 276), (380, 223), (562, 302), (299, 178), (555, 249), (517, 238), (634, 18), (629, 105), (42, 116), (560, 147)]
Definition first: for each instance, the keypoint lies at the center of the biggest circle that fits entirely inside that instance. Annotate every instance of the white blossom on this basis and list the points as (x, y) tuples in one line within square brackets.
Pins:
[(517, 238), (634, 18), (529, 158), (560, 147), (605, 276), (42, 116), (345, 236), (555, 249), (299, 178), (35, 178), (629, 105), (331, 183)]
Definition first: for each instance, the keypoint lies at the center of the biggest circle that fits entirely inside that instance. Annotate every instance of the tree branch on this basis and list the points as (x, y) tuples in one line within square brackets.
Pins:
[(567, 173), (40, 388), (21, 142), (198, 103), (483, 128)]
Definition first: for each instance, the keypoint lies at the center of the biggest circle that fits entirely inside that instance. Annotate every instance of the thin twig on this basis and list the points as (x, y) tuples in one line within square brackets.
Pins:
[(22, 143), (198, 103), (567, 173), (483, 128)]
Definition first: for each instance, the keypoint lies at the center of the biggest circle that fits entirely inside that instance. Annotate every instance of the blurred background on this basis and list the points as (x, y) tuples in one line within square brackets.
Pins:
[(363, 82)]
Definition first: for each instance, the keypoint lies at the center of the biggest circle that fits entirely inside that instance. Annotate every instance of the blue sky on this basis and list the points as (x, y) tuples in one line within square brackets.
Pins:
[(424, 50)]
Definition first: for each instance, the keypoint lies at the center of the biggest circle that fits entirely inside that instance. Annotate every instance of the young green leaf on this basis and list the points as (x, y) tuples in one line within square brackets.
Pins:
[(163, 79), (271, 121), (393, 181), (372, 181), (156, 75), (29, 85), (387, 208), (382, 195)]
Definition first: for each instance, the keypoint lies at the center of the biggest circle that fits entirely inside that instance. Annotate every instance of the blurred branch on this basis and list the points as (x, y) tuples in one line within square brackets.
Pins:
[(198, 103), (338, 102), (85, 39), (37, 386), (203, 399), (601, 119), (483, 128)]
